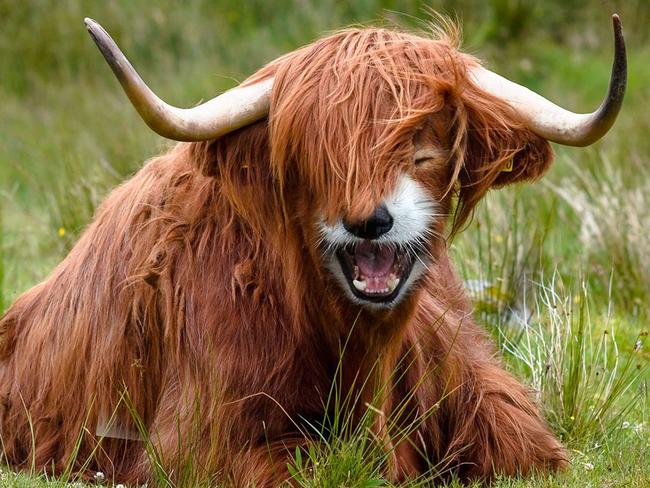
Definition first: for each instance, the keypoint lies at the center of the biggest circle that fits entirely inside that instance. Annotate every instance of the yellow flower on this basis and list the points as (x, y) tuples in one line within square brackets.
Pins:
[(61, 231)]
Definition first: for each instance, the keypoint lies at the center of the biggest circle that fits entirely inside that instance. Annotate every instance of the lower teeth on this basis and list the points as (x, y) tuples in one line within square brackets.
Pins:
[(362, 285)]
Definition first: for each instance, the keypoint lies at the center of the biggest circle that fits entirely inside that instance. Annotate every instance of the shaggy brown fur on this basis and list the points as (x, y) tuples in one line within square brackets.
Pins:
[(199, 291)]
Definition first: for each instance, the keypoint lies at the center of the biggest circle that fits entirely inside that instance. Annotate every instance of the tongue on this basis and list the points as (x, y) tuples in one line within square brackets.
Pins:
[(373, 260)]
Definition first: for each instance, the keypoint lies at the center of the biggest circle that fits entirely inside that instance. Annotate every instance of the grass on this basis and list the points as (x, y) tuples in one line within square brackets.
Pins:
[(559, 270)]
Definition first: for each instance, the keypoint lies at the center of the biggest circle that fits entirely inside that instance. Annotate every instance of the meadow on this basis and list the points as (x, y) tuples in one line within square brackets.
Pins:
[(559, 270)]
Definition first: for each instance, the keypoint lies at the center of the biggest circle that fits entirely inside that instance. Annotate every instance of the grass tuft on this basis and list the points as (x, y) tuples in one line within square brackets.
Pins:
[(587, 381)]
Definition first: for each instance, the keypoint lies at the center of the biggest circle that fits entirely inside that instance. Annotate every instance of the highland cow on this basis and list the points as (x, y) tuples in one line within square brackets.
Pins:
[(296, 241)]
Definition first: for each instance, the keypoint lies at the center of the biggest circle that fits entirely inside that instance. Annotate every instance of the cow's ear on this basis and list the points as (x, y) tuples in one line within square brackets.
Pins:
[(494, 149), (527, 164)]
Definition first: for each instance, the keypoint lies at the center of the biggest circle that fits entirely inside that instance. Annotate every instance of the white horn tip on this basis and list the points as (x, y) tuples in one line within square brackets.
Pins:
[(90, 23), (94, 28)]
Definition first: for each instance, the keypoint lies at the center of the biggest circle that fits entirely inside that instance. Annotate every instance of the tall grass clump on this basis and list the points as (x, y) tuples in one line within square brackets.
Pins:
[(612, 210), (354, 462), (588, 382)]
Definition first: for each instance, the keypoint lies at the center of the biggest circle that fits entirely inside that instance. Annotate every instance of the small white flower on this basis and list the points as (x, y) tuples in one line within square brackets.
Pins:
[(626, 425), (589, 466), (99, 476)]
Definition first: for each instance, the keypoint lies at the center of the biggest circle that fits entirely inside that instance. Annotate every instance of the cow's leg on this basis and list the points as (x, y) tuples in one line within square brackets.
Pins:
[(494, 427)]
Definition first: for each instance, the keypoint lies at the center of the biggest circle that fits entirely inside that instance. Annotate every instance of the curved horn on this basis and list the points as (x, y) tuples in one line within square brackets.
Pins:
[(555, 123), (229, 111)]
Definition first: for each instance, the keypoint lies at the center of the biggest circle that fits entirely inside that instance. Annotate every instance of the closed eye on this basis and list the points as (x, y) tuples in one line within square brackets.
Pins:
[(429, 154)]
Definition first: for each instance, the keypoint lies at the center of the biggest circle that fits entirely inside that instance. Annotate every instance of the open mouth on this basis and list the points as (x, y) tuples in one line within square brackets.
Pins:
[(375, 272)]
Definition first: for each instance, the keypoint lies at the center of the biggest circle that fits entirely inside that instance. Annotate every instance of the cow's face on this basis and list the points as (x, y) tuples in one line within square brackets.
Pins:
[(377, 257), (378, 153)]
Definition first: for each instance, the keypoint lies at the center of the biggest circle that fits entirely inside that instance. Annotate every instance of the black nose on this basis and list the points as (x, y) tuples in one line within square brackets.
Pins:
[(380, 222)]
